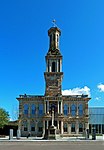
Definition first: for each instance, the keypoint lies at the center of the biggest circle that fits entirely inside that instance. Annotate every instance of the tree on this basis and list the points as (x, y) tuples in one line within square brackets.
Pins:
[(4, 117)]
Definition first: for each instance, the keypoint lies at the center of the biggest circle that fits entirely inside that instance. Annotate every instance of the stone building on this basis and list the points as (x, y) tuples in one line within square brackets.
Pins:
[(70, 112)]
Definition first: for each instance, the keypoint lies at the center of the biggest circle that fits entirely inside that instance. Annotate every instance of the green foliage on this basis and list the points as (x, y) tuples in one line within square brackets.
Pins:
[(4, 117)]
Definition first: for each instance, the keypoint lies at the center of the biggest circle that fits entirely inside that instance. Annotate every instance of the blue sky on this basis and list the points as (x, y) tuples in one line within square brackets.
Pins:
[(24, 43)]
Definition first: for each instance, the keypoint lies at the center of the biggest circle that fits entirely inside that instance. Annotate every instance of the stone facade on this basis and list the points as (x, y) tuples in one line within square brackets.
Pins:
[(70, 112)]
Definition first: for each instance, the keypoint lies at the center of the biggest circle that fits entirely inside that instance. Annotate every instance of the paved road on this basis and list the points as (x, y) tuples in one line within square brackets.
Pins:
[(49, 145)]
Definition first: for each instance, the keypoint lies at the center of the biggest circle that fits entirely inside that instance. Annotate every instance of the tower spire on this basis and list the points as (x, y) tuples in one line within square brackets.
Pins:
[(53, 74)]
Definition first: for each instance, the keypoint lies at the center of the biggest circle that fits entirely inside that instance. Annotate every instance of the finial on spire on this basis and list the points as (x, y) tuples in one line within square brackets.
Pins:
[(54, 23)]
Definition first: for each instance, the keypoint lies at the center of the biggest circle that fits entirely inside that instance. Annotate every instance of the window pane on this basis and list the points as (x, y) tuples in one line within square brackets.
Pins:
[(80, 110), (40, 109), (33, 109), (80, 127), (65, 127), (32, 128), (40, 127), (65, 109), (53, 66), (32, 125), (26, 109), (72, 127), (25, 125), (73, 110)]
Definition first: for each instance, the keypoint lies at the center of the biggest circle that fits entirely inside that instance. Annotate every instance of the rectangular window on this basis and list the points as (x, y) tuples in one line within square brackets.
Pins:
[(90, 128), (54, 37), (73, 127), (65, 112), (40, 109), (25, 128), (65, 129), (32, 128), (33, 112), (80, 129), (99, 128), (40, 129), (26, 112), (96, 127)]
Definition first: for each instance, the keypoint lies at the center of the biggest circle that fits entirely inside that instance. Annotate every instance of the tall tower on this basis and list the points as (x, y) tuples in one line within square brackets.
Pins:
[(53, 74)]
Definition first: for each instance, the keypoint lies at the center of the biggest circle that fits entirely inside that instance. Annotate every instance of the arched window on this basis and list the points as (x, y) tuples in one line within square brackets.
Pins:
[(59, 65), (73, 127), (65, 109), (65, 127), (73, 109), (32, 125), (80, 110), (33, 109), (25, 125), (40, 109), (54, 37), (40, 127), (26, 109), (80, 127), (53, 66)]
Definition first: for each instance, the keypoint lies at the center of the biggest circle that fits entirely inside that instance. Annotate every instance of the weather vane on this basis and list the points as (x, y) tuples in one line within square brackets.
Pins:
[(54, 23)]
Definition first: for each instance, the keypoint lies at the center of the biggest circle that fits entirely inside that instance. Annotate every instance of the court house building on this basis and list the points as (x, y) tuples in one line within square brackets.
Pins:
[(70, 111)]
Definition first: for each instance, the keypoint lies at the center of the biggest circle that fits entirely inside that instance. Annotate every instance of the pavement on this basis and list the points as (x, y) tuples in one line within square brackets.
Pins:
[(51, 145), (35, 143)]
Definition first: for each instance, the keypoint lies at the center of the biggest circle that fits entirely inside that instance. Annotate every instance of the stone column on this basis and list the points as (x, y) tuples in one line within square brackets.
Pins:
[(36, 127), (11, 134), (58, 107), (43, 128), (45, 107), (50, 66), (58, 124), (29, 127), (61, 107), (69, 128), (85, 131), (57, 65), (47, 124), (61, 127), (77, 127), (86, 125)]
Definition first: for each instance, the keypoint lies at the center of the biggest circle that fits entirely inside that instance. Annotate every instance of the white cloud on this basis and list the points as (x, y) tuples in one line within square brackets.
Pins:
[(101, 87), (98, 98), (77, 91)]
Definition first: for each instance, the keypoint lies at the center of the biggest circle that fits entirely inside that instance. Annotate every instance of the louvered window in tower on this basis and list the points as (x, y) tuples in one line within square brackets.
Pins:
[(53, 66)]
